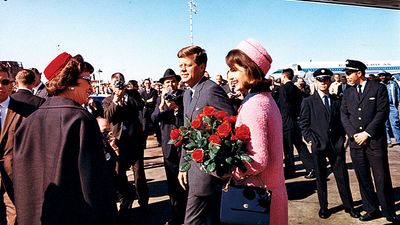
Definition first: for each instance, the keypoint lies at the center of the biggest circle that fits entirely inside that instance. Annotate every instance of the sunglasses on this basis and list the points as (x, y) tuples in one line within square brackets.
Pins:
[(85, 78), (5, 82)]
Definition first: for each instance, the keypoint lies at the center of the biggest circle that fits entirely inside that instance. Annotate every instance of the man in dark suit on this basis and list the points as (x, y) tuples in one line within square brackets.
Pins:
[(320, 124), (204, 189), (364, 111), (149, 96), (169, 112), (39, 88), (342, 87), (121, 109), (289, 103), (29, 103)]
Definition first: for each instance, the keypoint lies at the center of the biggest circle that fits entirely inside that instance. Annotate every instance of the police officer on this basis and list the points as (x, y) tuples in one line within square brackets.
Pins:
[(320, 125), (364, 111)]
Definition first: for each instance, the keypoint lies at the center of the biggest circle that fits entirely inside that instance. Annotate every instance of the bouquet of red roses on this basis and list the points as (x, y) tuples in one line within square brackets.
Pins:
[(213, 141)]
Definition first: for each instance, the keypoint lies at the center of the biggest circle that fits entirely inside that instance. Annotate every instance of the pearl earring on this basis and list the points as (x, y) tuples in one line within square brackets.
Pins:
[(71, 88)]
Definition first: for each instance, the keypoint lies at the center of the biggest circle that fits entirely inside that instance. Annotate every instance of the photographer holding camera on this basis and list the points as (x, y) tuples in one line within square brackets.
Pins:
[(169, 111), (122, 109)]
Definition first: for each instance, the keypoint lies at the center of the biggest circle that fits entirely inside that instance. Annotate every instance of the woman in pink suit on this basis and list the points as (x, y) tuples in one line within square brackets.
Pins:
[(249, 63)]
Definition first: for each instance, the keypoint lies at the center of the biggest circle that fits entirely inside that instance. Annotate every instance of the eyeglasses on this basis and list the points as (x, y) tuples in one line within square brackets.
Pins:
[(5, 82)]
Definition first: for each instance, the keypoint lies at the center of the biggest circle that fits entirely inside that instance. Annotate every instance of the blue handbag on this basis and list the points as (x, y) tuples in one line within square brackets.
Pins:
[(245, 205)]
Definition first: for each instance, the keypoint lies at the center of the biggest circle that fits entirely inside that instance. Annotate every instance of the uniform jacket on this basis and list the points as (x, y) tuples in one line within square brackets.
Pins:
[(60, 169), (368, 113), (27, 102), (324, 129), (206, 93), (169, 120)]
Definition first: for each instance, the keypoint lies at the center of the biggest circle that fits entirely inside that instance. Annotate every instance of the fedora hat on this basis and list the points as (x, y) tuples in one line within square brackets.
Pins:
[(169, 73)]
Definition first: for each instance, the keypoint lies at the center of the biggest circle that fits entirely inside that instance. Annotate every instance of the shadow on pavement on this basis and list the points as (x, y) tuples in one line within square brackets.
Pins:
[(300, 189)]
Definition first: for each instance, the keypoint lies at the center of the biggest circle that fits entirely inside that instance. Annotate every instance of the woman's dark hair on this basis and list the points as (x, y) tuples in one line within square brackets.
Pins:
[(67, 77), (255, 76)]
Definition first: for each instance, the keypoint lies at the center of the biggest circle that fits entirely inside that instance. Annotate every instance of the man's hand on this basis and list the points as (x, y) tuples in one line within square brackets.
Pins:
[(172, 105), (118, 95), (361, 138), (182, 178)]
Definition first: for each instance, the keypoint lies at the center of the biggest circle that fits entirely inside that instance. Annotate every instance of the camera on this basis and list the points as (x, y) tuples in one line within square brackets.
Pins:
[(172, 96), (119, 84)]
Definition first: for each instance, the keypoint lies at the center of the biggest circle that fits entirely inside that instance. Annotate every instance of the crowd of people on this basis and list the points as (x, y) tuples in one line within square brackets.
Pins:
[(64, 156)]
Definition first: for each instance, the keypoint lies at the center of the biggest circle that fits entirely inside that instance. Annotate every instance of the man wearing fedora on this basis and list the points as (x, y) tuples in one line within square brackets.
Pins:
[(320, 125), (169, 112), (364, 111)]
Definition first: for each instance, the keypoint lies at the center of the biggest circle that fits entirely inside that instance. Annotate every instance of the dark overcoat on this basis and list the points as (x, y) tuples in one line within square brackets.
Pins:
[(60, 173)]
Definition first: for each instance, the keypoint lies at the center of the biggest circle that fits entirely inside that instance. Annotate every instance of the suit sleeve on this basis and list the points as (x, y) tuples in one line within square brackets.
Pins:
[(345, 115), (305, 121), (382, 111), (219, 99), (111, 110)]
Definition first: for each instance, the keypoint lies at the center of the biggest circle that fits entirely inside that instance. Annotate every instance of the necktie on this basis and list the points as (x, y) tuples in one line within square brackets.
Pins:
[(359, 91), (326, 103), (190, 94)]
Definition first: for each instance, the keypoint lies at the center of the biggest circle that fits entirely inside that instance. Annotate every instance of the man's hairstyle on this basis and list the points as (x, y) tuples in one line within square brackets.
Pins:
[(4, 68), (36, 71), (147, 79), (25, 77), (199, 53), (134, 83), (118, 76), (289, 73)]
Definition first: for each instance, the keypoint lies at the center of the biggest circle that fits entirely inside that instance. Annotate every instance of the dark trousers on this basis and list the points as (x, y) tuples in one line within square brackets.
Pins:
[(177, 196), (293, 137), (132, 155), (364, 160), (338, 165), (203, 210)]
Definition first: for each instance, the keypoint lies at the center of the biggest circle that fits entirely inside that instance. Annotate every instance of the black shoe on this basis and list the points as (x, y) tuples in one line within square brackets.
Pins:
[(353, 213), (394, 219), (310, 174), (324, 213), (371, 216)]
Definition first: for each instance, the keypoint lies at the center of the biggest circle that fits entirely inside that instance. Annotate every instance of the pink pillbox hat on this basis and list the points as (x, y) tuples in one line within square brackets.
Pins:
[(257, 53)]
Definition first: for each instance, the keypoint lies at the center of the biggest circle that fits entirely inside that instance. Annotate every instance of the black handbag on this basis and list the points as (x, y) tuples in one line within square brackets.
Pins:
[(245, 205)]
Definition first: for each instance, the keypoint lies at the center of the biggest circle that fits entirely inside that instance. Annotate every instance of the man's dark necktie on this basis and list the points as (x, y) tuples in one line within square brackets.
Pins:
[(326, 103), (190, 94), (359, 91)]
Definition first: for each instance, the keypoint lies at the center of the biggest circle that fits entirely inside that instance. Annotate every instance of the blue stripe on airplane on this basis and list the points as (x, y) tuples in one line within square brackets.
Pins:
[(369, 68)]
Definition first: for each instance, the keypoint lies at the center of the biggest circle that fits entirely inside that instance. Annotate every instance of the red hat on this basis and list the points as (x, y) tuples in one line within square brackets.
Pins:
[(56, 65)]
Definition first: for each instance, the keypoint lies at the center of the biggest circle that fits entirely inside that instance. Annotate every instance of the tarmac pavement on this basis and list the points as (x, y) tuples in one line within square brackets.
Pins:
[(303, 200)]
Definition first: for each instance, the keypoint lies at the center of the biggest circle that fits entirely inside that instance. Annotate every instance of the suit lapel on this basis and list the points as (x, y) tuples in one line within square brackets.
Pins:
[(7, 122), (320, 107), (365, 92)]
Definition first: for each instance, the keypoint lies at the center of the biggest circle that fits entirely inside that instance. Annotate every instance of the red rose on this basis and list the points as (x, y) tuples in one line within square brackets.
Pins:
[(230, 119), (175, 134), (208, 110), (214, 139), (221, 114), (242, 132), (198, 155), (200, 116), (195, 124), (179, 143), (224, 129)]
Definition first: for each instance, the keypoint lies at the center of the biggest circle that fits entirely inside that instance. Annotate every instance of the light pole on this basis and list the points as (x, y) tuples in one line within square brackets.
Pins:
[(192, 10)]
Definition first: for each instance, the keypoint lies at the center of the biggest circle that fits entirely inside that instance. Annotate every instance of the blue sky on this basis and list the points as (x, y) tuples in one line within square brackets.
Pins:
[(140, 38)]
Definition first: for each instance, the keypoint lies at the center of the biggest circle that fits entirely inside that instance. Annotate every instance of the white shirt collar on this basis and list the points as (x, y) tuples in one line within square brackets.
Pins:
[(5, 103)]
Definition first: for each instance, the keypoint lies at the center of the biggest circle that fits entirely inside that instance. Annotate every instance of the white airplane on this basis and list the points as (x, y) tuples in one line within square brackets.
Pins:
[(304, 69)]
